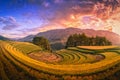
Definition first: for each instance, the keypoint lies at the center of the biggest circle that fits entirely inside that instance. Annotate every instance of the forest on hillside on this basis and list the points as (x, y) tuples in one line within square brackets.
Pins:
[(83, 40)]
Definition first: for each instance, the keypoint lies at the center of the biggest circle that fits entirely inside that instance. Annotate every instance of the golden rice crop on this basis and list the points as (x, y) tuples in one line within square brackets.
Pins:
[(97, 47), (63, 69)]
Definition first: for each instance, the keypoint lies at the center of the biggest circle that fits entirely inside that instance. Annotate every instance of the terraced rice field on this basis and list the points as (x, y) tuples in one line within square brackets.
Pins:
[(75, 63), (97, 47), (25, 47)]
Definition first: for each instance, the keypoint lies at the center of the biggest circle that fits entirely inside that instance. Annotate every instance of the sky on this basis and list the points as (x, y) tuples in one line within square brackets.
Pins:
[(19, 18)]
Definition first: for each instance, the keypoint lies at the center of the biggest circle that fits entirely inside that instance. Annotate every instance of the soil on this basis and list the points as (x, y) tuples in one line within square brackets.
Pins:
[(45, 57)]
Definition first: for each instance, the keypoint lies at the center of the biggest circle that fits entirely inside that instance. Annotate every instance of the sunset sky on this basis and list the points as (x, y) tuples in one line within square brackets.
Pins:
[(19, 18)]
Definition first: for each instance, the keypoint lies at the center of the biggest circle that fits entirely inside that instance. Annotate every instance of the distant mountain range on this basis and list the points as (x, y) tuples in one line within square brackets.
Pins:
[(59, 37), (3, 38)]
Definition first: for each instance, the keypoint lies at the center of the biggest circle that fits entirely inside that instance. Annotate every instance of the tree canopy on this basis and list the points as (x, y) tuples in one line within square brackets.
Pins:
[(83, 40), (42, 42)]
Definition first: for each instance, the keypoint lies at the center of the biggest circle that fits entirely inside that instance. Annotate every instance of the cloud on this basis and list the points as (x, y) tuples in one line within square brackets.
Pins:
[(27, 14), (56, 14), (82, 14), (9, 23), (65, 9), (10, 27), (2, 19), (46, 4), (67, 12), (100, 8), (28, 31), (58, 1), (9, 20)]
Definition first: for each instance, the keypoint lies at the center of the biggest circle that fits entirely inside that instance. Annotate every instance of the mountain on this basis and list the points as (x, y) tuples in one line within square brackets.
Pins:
[(27, 38), (59, 37), (3, 38)]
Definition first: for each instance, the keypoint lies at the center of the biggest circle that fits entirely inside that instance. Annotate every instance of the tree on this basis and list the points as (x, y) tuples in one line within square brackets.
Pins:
[(42, 42), (83, 40), (70, 42)]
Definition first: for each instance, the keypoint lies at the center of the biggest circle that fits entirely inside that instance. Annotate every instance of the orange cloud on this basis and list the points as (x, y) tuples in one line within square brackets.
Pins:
[(85, 15)]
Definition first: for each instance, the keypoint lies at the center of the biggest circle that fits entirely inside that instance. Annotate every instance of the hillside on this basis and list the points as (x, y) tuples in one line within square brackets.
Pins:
[(74, 63), (59, 36), (3, 38)]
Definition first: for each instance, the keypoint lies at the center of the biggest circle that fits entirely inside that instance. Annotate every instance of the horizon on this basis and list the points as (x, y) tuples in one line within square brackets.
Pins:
[(20, 18), (17, 38)]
